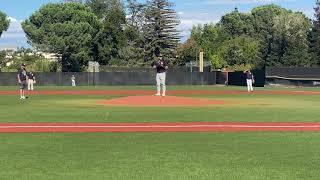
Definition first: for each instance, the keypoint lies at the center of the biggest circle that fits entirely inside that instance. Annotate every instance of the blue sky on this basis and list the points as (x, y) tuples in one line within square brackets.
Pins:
[(192, 12)]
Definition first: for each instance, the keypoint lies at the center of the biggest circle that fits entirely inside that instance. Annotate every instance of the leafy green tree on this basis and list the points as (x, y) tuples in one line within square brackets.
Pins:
[(111, 37), (67, 29), (2, 60), (161, 35), (242, 50), (280, 36), (263, 25), (99, 7), (36, 63), (291, 46), (187, 52), (314, 36), (111, 40), (132, 54), (4, 22), (210, 38), (237, 24), (102, 7)]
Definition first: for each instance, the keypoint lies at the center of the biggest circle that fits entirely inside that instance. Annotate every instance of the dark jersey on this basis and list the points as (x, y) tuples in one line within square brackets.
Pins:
[(31, 76), (160, 66), (249, 75), (22, 75)]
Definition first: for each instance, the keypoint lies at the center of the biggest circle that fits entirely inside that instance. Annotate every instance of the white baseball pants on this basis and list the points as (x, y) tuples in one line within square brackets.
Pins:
[(161, 81), (73, 83), (249, 84), (30, 84)]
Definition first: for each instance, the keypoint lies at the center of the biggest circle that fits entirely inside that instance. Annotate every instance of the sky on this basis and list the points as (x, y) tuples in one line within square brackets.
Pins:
[(191, 12)]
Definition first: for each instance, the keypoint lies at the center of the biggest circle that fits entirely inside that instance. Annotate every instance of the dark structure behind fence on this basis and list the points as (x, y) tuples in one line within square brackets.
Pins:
[(238, 78), (293, 76), (138, 76)]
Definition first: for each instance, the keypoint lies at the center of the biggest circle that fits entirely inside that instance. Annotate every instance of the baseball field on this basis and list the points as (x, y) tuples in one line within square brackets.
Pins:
[(196, 132)]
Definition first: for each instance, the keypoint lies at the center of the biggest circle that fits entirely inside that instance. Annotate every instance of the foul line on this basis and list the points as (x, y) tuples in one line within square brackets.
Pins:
[(165, 126)]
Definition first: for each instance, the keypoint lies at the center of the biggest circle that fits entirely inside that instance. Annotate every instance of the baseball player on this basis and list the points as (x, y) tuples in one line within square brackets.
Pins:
[(22, 79), (250, 80), (73, 80), (31, 81), (161, 67)]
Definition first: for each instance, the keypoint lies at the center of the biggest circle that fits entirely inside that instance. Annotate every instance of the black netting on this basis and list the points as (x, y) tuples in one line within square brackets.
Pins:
[(114, 78), (293, 72)]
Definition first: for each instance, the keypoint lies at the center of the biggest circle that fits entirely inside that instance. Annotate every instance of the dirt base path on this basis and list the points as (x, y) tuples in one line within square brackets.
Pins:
[(149, 92), (157, 127)]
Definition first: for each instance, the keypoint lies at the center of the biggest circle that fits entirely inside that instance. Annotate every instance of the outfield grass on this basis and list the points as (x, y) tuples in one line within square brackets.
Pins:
[(84, 108), (160, 155)]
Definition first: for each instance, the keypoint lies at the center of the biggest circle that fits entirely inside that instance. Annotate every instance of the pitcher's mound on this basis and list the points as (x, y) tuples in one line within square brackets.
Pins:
[(160, 101)]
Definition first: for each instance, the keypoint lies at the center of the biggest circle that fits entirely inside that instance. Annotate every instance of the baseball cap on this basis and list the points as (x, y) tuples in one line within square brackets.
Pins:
[(23, 64)]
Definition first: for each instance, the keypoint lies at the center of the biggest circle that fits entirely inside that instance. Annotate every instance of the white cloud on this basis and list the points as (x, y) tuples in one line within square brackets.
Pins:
[(187, 23), (15, 35), (308, 12)]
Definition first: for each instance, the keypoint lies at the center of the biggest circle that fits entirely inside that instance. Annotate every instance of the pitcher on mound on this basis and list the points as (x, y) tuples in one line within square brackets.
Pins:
[(161, 67)]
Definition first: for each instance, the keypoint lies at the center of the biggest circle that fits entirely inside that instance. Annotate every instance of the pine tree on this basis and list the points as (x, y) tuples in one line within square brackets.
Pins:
[(133, 53), (136, 14), (161, 35), (102, 7)]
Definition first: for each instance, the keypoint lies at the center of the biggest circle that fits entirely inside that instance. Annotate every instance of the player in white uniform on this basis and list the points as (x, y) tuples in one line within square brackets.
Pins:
[(250, 80), (161, 68), (31, 81), (73, 80)]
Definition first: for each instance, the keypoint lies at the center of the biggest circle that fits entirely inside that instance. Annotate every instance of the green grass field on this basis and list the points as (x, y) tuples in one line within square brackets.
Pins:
[(160, 155)]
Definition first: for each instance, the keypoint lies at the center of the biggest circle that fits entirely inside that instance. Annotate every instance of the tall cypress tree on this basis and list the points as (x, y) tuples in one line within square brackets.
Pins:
[(161, 35)]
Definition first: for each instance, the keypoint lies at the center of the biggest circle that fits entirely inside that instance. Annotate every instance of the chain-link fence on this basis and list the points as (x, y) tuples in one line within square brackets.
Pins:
[(114, 78)]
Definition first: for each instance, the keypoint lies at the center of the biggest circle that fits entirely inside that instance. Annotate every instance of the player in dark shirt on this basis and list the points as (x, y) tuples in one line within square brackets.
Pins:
[(31, 81), (161, 67), (22, 79), (250, 80)]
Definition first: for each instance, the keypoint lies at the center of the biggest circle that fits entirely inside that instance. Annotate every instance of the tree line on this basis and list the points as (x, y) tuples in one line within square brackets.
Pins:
[(268, 35), (130, 33), (111, 32)]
